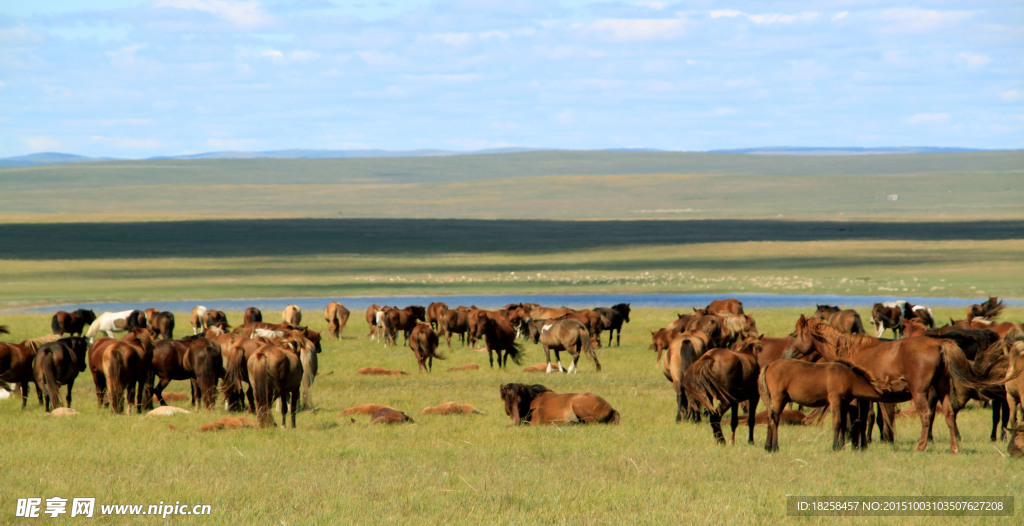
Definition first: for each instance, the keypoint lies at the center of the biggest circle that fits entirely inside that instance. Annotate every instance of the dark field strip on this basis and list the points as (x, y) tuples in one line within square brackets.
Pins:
[(291, 237)]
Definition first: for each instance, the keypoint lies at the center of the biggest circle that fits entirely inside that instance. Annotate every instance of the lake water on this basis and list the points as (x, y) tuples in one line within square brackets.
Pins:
[(359, 303)]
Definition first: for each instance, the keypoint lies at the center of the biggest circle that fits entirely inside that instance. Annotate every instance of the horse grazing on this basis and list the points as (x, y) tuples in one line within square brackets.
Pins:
[(682, 351), (500, 338), (423, 342), (564, 335), (72, 323), (58, 363), (337, 316), (111, 322), (846, 320), (929, 365), (835, 384), (291, 315), (729, 377), (731, 306), (988, 310), (614, 317), (196, 359), (216, 318), (252, 315), (539, 405), (162, 324)]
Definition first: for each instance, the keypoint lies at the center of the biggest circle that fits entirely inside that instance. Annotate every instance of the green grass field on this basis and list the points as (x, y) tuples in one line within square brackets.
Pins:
[(476, 468)]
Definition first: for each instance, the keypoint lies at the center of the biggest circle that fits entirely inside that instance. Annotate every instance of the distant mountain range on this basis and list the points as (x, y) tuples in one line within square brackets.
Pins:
[(37, 159)]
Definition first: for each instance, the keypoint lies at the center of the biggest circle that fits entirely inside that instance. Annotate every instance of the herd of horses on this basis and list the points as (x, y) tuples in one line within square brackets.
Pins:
[(714, 357)]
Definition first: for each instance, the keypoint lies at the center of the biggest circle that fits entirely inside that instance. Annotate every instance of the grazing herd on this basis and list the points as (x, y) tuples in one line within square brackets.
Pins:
[(715, 359)]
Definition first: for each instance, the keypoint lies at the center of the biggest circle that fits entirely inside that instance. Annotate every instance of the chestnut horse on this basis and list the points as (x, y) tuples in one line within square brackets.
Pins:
[(252, 315), (401, 320), (928, 364), (731, 306), (835, 384), (615, 316), (454, 321), (16, 368), (198, 319), (434, 312), (58, 363), (682, 351), (564, 335), (989, 310), (140, 342), (539, 405), (162, 324), (72, 323), (729, 377), (423, 342), (216, 318), (846, 320), (337, 316), (275, 371)]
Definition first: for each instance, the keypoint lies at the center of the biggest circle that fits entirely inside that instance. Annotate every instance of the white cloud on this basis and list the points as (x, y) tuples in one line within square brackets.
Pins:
[(766, 18), (725, 13), (125, 57), (840, 15), (972, 60), (1013, 95), (929, 118), (913, 20), (241, 14), (453, 39), (724, 112), (640, 29), (43, 144), (657, 6)]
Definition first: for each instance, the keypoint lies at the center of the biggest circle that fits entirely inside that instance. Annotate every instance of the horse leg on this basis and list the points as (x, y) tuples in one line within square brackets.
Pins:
[(71, 385), (575, 360), (886, 422), (158, 391), (751, 421), (716, 423), (680, 400), (547, 356), (101, 387), (734, 421), (838, 409), (954, 433), (926, 406), (999, 409)]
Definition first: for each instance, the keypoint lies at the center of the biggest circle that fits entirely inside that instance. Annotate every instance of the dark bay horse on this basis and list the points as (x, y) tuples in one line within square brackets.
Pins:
[(500, 337), (615, 315), (196, 359), (833, 384), (72, 323), (337, 317), (927, 364), (423, 342), (538, 405), (216, 318), (728, 377), (16, 368), (846, 320), (567, 335), (58, 363), (402, 320), (252, 315)]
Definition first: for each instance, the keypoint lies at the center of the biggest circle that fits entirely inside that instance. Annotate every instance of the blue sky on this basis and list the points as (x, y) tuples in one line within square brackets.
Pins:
[(134, 79)]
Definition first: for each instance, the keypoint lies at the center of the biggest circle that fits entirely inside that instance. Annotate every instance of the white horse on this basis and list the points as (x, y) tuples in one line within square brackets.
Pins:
[(111, 322)]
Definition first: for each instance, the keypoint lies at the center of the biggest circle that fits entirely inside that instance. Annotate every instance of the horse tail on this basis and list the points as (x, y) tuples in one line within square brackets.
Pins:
[(309, 365), (858, 325), (515, 351), (112, 369), (766, 394), (55, 325), (588, 348), (612, 418), (961, 371), (259, 379), (232, 384), (702, 386), (49, 379)]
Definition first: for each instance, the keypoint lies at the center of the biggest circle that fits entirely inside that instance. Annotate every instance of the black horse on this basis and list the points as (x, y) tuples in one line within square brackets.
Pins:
[(616, 316)]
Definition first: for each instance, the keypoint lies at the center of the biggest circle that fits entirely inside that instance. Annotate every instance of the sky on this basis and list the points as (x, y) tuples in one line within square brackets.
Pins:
[(136, 79)]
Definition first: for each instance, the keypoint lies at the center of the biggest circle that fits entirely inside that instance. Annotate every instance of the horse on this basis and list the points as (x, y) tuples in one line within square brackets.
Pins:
[(682, 351), (835, 384), (434, 313), (451, 408), (337, 316), (500, 337), (216, 318), (732, 306), (888, 316), (928, 365), (547, 313), (371, 320), (138, 381), (274, 371), (539, 405), (196, 359), (660, 340), (423, 342), (387, 415), (16, 367), (988, 310), (252, 315), (292, 315), (476, 318), (564, 335), (615, 316), (162, 324), (72, 323), (402, 320), (1015, 381), (846, 320), (55, 364), (198, 319), (729, 377), (111, 322), (454, 321)]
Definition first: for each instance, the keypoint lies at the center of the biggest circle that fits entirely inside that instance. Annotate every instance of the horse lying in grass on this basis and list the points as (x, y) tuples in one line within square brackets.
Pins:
[(539, 405), (835, 384)]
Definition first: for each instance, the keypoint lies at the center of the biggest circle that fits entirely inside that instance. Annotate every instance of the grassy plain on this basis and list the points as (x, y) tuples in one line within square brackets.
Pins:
[(478, 468)]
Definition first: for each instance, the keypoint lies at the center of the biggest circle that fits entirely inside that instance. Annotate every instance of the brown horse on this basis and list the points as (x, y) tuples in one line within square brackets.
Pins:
[(564, 335), (615, 316), (454, 321), (988, 310), (476, 319), (275, 371), (252, 315), (731, 306), (198, 319), (72, 323), (291, 315), (682, 351), (55, 364), (434, 312), (423, 342), (729, 377), (835, 384), (140, 378), (539, 405), (590, 319), (388, 415), (887, 316), (401, 320), (846, 320), (216, 318), (500, 337), (16, 368), (337, 316), (927, 364), (660, 340), (162, 324), (371, 320), (1015, 381), (196, 359)]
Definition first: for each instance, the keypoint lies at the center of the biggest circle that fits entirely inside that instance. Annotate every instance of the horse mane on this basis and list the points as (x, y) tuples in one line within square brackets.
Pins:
[(524, 394), (865, 375), (840, 343)]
